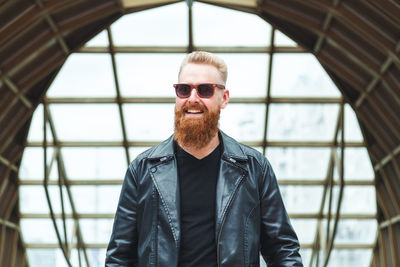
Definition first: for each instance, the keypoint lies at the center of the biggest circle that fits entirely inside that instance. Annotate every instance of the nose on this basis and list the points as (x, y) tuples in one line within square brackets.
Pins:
[(193, 98)]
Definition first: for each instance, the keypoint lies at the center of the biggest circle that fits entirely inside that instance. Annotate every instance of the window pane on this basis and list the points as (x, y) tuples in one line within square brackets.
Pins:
[(32, 164), (357, 164), (84, 75), (247, 74), (282, 40), (305, 256), (33, 199), (350, 258), (352, 130), (96, 256), (300, 75), (135, 151), (149, 122), (302, 122), (148, 74), (305, 229), (359, 199), (301, 199), (87, 122), (356, 231), (36, 129), (95, 162), (44, 257), (244, 122), (100, 39), (356, 200), (91, 199), (299, 163), (166, 25), (38, 231), (96, 231), (218, 26)]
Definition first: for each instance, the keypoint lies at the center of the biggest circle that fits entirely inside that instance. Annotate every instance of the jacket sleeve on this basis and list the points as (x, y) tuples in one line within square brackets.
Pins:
[(122, 248), (279, 243)]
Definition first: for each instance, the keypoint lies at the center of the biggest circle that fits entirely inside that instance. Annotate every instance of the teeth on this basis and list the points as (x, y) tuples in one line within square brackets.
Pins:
[(194, 111)]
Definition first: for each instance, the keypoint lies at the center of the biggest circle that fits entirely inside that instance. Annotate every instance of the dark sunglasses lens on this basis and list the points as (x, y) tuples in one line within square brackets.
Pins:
[(205, 90), (183, 90)]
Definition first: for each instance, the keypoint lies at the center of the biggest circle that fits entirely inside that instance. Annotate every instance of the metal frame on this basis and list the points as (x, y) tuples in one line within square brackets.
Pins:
[(324, 237)]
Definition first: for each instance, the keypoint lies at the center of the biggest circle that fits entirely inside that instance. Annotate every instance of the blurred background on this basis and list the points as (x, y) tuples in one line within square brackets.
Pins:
[(113, 98)]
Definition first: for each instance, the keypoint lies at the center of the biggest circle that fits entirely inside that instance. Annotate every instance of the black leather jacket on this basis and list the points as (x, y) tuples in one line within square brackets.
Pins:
[(250, 215)]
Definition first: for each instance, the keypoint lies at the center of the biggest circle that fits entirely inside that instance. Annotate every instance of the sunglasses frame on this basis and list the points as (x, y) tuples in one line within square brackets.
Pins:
[(220, 86)]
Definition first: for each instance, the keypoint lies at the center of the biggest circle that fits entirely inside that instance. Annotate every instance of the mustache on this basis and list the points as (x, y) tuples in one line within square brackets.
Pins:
[(188, 106)]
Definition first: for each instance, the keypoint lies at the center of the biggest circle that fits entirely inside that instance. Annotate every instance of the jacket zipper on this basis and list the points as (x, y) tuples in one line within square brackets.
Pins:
[(223, 220)]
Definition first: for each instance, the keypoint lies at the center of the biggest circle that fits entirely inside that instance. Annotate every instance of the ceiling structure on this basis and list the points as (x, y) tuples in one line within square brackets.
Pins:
[(357, 42)]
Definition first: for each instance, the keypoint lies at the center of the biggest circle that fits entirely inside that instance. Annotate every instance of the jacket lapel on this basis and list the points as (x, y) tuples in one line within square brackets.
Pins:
[(164, 174), (232, 171)]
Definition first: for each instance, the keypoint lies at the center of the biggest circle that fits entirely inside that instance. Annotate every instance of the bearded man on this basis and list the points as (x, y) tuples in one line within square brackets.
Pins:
[(200, 198)]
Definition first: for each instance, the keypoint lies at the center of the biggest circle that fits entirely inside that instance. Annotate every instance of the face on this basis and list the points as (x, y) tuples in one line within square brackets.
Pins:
[(195, 74), (196, 118)]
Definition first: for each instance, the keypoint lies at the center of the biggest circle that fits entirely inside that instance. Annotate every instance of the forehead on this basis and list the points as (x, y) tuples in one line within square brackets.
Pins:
[(197, 73)]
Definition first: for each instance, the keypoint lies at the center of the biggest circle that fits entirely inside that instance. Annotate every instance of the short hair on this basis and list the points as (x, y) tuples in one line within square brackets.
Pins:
[(202, 57)]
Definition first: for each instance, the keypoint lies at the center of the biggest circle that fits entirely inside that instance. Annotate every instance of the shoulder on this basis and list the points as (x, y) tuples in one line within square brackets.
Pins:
[(154, 153), (238, 150)]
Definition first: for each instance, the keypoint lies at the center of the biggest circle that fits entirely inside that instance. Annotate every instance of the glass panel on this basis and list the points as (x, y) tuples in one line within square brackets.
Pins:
[(149, 122), (244, 122), (91, 199), (216, 26), (97, 256), (305, 229), (100, 39), (32, 163), (356, 232), (302, 122), (350, 257), (247, 74), (305, 256), (357, 164), (166, 25), (300, 75), (135, 151), (301, 199), (96, 231), (87, 122), (148, 74), (33, 199), (352, 130), (359, 199), (44, 257), (36, 128), (84, 75), (38, 231), (94, 162), (282, 40), (356, 200), (299, 163)]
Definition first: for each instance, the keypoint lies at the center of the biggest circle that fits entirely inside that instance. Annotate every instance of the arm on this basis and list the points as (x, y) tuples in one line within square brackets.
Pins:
[(122, 248), (279, 244)]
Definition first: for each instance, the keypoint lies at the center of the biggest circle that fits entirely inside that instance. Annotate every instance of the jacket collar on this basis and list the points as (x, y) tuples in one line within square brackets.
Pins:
[(231, 148)]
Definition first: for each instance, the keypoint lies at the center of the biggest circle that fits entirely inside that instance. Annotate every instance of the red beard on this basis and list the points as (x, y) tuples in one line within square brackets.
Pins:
[(195, 132)]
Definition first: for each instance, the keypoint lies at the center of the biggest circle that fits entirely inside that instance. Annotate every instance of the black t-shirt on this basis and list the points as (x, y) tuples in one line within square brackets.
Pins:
[(197, 181)]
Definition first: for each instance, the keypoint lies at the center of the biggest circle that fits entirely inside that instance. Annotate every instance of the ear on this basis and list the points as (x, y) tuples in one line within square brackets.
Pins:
[(225, 99)]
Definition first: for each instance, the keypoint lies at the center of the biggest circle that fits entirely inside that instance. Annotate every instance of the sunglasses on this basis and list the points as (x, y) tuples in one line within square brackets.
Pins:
[(204, 90)]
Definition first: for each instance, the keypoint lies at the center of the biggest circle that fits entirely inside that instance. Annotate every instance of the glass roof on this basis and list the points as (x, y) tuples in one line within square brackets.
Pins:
[(283, 104)]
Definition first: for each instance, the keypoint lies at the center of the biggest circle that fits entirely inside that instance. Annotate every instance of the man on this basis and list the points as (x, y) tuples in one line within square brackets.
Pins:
[(200, 198)]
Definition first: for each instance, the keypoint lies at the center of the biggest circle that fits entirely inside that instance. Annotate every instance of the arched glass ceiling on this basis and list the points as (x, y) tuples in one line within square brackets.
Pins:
[(114, 98)]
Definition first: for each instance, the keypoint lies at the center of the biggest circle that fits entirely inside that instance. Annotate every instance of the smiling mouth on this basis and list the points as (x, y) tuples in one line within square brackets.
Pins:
[(193, 112)]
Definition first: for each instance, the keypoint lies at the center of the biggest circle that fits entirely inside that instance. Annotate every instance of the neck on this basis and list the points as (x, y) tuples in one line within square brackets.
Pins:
[(200, 153)]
